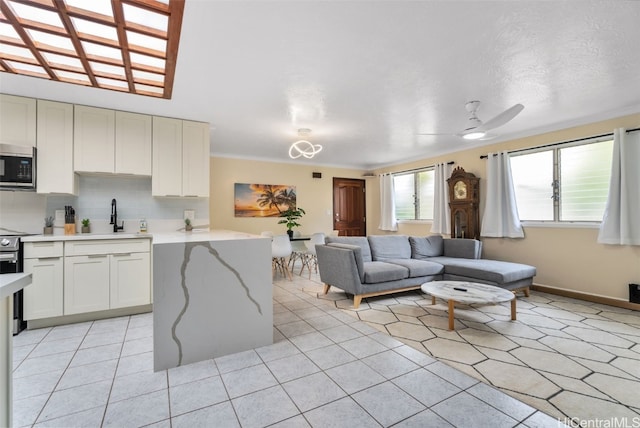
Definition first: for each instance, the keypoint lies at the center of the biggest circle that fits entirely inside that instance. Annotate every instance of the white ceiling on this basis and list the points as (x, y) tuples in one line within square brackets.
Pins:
[(367, 76)]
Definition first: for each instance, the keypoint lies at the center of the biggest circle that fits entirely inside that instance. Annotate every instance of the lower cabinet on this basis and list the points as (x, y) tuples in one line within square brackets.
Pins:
[(43, 298), (130, 279), (92, 275), (86, 284)]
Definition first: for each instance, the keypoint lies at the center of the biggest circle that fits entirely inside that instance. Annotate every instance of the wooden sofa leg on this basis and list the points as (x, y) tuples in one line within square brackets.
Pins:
[(356, 301), (526, 292), (326, 288)]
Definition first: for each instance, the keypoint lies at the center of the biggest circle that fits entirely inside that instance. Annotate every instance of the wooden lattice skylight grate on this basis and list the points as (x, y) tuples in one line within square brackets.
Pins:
[(121, 45)]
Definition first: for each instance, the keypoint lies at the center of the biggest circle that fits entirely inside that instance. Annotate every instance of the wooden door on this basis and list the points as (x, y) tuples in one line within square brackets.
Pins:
[(349, 215)]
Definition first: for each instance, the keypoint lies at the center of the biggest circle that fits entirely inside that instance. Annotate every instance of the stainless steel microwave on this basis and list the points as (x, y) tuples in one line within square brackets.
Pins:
[(17, 167)]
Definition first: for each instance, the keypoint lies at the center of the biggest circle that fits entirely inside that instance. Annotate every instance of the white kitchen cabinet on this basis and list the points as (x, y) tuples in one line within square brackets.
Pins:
[(133, 143), (166, 178), (94, 139), (17, 120), (86, 284), (106, 274), (195, 159), (55, 148), (180, 158), (130, 279), (44, 297)]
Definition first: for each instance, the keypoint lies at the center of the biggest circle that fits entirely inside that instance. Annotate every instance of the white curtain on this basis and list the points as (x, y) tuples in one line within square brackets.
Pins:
[(441, 214), (500, 218), (387, 204), (621, 222)]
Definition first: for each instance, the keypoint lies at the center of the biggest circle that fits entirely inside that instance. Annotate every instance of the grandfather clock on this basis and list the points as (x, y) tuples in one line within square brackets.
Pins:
[(464, 201)]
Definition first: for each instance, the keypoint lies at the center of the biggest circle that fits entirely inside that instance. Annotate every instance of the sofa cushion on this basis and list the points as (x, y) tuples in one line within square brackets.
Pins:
[(425, 247), (498, 272), (357, 253), (418, 267), (384, 247), (463, 248), (375, 272), (360, 241)]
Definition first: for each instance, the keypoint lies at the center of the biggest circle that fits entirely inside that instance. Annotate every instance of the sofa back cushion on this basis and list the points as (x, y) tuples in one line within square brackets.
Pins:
[(463, 248), (425, 247), (385, 247), (360, 241)]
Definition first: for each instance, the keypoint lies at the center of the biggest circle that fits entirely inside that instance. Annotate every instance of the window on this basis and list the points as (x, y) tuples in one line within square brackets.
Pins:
[(569, 182), (414, 195)]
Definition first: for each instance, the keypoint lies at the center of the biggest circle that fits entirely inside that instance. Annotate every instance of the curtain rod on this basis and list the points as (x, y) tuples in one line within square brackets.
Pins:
[(418, 169), (560, 143)]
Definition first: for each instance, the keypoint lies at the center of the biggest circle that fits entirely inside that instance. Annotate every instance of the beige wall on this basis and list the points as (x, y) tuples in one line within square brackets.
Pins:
[(565, 257), (314, 195)]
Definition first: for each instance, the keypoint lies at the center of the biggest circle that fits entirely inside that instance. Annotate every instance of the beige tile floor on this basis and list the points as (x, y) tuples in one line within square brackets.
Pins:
[(569, 358), (333, 366)]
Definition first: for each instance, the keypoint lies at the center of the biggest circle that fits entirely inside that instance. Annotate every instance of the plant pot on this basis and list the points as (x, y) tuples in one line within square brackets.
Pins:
[(86, 229), (47, 230), (290, 233), (188, 228)]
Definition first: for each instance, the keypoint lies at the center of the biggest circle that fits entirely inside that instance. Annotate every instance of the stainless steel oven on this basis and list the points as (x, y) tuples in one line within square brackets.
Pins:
[(17, 167), (11, 261)]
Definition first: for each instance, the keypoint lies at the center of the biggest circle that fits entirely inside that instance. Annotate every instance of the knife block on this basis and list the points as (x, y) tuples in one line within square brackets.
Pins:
[(70, 229)]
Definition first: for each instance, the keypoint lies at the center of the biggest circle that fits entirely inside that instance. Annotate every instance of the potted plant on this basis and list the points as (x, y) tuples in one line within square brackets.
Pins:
[(188, 227), (290, 219), (48, 226), (85, 225)]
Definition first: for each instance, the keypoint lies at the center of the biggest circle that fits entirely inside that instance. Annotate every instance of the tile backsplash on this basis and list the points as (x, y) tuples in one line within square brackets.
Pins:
[(25, 211)]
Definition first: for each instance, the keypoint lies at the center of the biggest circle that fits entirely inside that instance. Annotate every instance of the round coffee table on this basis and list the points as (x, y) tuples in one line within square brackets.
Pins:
[(467, 293)]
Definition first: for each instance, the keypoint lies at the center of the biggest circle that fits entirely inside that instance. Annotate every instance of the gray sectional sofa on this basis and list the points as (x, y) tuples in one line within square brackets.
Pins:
[(384, 264)]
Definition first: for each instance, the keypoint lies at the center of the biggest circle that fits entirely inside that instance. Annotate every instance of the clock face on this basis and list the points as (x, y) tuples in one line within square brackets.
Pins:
[(460, 190)]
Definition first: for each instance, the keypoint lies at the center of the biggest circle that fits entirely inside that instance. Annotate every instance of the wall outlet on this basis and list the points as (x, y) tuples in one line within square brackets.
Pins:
[(190, 214)]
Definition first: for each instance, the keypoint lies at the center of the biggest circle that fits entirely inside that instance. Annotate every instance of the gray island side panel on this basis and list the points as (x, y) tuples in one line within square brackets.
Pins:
[(210, 299)]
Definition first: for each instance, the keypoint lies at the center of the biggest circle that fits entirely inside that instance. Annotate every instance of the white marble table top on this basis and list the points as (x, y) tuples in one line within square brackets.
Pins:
[(467, 292)]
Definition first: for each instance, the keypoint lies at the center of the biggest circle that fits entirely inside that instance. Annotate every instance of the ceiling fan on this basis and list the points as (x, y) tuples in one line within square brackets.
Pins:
[(476, 129)]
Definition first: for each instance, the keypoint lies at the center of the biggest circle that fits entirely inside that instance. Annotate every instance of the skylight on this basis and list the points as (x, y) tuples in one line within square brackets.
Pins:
[(120, 45)]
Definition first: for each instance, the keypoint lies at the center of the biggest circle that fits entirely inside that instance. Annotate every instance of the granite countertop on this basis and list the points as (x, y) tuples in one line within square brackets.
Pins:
[(201, 236), (12, 282), (84, 237), (196, 235)]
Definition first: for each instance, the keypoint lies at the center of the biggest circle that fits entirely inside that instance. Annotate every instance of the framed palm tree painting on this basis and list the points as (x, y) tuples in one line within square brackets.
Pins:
[(263, 200)]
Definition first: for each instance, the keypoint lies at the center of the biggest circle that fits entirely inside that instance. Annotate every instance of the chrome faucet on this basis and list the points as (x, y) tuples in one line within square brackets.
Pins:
[(114, 217)]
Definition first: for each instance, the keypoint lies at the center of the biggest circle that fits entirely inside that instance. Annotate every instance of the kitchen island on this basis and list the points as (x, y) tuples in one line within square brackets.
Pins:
[(212, 295)]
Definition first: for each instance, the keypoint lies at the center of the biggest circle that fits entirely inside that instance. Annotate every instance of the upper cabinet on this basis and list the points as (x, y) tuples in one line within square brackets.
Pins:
[(166, 179), (94, 140), (133, 143), (55, 148), (109, 141), (72, 139), (17, 120), (180, 158), (195, 159)]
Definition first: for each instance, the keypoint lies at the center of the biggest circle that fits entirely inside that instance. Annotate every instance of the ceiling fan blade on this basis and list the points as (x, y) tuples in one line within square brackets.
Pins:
[(442, 133), (502, 118)]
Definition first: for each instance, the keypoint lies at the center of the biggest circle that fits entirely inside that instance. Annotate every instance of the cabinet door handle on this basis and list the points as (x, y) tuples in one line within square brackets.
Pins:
[(97, 256), (49, 258), (121, 254)]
